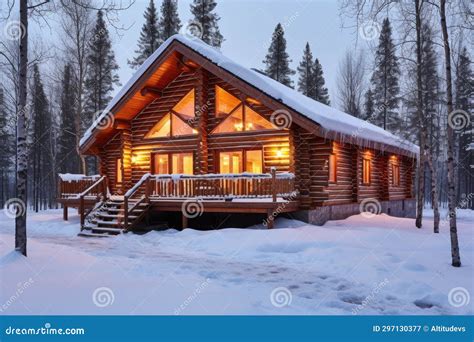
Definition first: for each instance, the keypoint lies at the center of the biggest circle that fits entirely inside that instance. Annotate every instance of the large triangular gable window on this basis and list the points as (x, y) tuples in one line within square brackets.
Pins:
[(243, 119), (237, 116), (185, 106), (225, 102), (174, 123)]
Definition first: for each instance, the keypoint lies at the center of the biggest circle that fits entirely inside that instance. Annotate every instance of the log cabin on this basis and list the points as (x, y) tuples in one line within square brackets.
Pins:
[(193, 131)]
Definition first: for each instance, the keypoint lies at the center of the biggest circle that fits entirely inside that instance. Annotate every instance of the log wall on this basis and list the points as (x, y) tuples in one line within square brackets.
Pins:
[(294, 149)]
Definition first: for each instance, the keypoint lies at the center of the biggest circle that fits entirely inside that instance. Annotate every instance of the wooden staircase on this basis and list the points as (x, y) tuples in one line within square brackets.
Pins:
[(108, 218)]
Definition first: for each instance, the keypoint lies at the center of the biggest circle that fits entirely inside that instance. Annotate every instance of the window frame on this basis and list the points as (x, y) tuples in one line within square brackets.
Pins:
[(118, 170), (334, 164), (395, 174), (170, 160), (181, 117), (368, 169), (242, 103), (216, 102), (244, 157)]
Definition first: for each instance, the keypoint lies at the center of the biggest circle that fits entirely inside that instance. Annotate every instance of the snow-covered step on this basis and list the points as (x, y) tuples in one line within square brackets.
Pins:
[(114, 216), (86, 233), (107, 230)]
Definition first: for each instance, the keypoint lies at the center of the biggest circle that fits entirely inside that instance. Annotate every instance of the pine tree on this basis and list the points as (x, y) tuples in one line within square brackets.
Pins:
[(169, 23), (67, 158), (464, 101), (150, 38), (101, 72), (277, 60), (369, 105), (385, 80), (205, 22), (101, 76), (41, 160), (319, 91), (305, 72)]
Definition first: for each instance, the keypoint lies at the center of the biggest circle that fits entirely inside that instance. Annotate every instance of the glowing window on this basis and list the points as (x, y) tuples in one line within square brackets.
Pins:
[(254, 121), (230, 162), (233, 123), (253, 161), (182, 163), (332, 168), (225, 102), (173, 163), (395, 175), (119, 171), (160, 164), (243, 120), (185, 106), (161, 129), (366, 171), (179, 127)]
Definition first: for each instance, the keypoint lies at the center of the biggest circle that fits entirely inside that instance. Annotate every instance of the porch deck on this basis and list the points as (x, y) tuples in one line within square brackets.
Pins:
[(192, 195)]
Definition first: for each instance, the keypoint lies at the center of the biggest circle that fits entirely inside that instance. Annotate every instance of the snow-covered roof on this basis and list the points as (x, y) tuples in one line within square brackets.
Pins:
[(330, 119)]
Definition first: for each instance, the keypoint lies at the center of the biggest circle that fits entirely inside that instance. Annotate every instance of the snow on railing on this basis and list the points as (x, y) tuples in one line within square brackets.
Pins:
[(74, 177), (243, 175), (235, 185)]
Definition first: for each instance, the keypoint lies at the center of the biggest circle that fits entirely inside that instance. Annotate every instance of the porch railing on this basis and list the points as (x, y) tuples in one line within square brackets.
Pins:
[(97, 189), (227, 186), (72, 185)]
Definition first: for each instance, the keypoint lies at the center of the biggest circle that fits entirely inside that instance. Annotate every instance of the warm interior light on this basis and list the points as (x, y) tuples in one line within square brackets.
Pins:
[(238, 126), (195, 131), (279, 153), (249, 125), (134, 159)]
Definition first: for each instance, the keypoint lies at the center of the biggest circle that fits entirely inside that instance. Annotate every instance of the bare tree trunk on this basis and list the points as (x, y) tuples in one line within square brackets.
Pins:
[(434, 190), (21, 173), (419, 109), (456, 259)]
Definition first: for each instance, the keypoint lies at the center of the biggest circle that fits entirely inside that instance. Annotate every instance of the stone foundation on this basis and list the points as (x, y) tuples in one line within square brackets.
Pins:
[(320, 215)]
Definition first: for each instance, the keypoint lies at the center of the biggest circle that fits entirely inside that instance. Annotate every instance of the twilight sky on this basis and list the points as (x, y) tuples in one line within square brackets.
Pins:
[(247, 26)]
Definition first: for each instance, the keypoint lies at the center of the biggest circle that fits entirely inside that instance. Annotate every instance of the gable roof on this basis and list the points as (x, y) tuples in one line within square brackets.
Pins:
[(333, 122)]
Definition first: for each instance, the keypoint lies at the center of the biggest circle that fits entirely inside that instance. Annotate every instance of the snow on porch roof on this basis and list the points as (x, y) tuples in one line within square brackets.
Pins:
[(330, 119)]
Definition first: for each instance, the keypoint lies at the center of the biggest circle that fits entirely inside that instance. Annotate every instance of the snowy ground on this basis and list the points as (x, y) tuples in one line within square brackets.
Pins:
[(378, 265)]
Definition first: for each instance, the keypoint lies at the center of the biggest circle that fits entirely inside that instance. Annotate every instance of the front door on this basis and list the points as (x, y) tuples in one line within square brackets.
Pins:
[(172, 163)]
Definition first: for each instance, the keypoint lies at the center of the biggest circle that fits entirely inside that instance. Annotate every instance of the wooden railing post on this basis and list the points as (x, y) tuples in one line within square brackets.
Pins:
[(274, 194), (81, 210), (147, 189), (104, 188)]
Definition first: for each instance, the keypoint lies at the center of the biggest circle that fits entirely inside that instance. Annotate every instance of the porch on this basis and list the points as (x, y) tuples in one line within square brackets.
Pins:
[(192, 195)]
